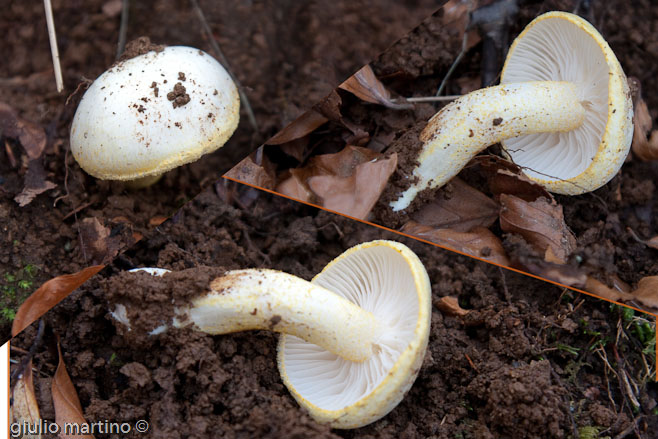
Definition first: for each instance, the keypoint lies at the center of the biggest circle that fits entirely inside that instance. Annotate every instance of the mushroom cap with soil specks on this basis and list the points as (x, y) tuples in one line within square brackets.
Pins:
[(151, 113), (388, 280), (558, 46)]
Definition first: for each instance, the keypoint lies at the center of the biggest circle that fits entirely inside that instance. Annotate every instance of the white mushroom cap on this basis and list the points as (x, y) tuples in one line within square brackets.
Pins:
[(126, 127), (559, 46), (388, 280)]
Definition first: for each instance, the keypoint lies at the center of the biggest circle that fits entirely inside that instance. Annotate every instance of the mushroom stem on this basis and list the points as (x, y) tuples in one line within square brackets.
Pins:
[(143, 182), (272, 300), (484, 117)]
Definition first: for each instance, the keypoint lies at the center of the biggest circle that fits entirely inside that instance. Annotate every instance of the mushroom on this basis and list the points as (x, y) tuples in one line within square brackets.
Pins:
[(353, 339), (563, 112), (151, 113)]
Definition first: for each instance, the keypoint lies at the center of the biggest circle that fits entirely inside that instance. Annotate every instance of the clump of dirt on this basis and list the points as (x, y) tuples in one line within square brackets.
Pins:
[(140, 46), (498, 372)]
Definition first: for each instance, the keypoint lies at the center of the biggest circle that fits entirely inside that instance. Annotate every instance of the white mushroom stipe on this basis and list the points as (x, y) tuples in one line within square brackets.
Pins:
[(353, 339), (268, 299), (479, 119), (572, 158), (151, 113)]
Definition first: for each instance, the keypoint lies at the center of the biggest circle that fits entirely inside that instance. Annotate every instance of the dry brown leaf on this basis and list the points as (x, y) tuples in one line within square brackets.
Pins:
[(24, 407), (355, 195), (479, 242), (456, 14), (644, 148), (157, 220), (350, 181), (459, 207), (647, 292), (48, 295), (295, 186), (653, 242), (65, 399), (31, 136), (329, 107), (35, 183), (248, 171), (541, 224), (300, 127), (505, 177), (365, 85), (97, 243), (605, 292), (450, 305), (563, 274)]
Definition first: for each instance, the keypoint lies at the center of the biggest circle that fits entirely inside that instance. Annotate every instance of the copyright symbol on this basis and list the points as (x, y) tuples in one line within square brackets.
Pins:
[(141, 426)]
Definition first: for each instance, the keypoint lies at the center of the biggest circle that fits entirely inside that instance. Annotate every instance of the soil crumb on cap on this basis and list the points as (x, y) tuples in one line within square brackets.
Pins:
[(140, 46), (178, 96)]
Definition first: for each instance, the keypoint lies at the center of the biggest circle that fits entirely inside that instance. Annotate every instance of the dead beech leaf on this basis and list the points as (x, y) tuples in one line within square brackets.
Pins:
[(479, 242), (295, 186), (653, 242), (31, 136), (605, 292), (48, 295), (35, 183), (456, 14), (300, 127), (249, 172), (541, 224), (350, 181), (647, 292), (645, 148), (450, 305), (562, 274), (365, 85), (459, 207), (97, 242), (355, 195), (24, 407), (505, 177), (65, 399)]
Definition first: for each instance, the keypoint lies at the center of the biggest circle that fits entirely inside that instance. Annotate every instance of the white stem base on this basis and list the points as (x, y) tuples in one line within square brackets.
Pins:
[(268, 299), (484, 117)]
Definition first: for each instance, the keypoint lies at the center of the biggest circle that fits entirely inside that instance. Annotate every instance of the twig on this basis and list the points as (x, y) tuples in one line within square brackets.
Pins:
[(123, 27), (455, 63), (219, 54), (50, 22), (428, 99)]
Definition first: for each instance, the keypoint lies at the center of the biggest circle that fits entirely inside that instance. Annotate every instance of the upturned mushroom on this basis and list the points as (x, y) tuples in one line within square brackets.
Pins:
[(152, 113), (353, 339), (563, 112)]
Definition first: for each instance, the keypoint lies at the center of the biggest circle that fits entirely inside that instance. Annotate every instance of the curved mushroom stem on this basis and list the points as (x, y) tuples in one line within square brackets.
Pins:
[(143, 182), (484, 117), (268, 299)]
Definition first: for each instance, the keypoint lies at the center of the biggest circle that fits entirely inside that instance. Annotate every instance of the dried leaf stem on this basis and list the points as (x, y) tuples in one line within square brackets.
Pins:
[(50, 22)]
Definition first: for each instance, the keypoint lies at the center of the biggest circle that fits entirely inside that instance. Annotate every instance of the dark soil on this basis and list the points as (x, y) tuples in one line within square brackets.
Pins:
[(526, 362), (287, 55), (609, 224)]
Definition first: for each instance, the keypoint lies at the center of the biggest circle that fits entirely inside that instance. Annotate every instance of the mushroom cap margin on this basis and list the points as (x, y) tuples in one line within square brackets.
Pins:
[(616, 141), (399, 379)]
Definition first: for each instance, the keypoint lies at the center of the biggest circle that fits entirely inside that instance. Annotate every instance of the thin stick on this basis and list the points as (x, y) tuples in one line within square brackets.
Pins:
[(123, 27), (428, 99), (53, 45), (455, 63), (224, 61)]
